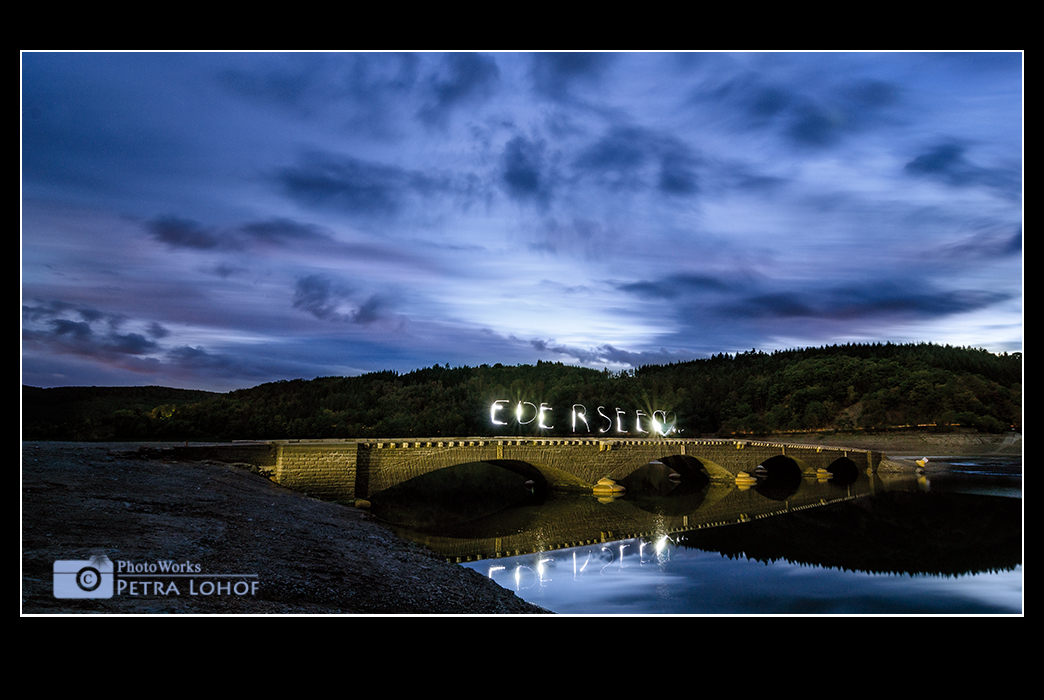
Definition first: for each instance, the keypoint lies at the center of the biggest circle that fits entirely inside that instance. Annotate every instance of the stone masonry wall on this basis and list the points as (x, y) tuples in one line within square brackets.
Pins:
[(323, 470)]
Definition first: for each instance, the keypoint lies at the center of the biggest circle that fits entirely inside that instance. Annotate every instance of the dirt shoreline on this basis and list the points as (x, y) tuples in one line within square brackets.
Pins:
[(902, 447), (307, 556)]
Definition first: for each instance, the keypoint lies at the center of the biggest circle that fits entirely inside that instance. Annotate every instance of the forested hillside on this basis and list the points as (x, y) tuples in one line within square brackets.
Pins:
[(844, 387)]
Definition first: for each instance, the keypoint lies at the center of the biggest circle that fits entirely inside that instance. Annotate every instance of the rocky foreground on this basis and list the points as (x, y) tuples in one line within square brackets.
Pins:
[(308, 556)]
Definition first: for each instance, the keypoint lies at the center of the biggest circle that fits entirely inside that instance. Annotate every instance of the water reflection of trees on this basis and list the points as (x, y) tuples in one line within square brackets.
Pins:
[(893, 532)]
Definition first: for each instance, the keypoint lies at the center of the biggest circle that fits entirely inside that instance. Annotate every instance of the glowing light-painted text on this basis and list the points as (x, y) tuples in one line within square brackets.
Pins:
[(526, 412)]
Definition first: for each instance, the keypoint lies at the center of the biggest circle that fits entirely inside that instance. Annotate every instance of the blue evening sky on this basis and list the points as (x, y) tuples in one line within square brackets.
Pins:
[(220, 220)]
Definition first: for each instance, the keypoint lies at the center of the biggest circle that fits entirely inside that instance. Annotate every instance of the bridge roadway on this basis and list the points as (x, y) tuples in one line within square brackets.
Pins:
[(358, 469)]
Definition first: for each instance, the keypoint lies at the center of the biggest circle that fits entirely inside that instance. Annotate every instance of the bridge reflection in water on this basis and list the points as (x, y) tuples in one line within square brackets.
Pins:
[(653, 508), (477, 498)]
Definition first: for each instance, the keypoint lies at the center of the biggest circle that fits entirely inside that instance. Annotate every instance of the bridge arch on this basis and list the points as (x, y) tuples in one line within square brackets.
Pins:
[(695, 468), (665, 474), (783, 467), (779, 476), (844, 471), (692, 469), (545, 476), (455, 494)]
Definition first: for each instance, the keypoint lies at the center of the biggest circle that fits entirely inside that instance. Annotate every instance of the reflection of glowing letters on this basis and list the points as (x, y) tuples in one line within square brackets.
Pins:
[(582, 415), (493, 412), (540, 423)]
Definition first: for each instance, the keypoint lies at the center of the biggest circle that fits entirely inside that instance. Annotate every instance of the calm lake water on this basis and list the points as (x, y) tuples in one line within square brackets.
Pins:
[(948, 541)]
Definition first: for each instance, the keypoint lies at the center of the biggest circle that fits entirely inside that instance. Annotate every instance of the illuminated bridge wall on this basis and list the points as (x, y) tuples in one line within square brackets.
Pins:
[(352, 469)]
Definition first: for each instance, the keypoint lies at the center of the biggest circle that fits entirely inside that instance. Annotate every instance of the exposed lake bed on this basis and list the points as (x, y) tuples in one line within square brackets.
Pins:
[(308, 556)]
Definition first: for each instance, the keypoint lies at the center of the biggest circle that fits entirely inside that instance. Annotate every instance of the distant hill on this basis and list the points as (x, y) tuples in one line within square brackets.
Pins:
[(846, 387), (92, 412)]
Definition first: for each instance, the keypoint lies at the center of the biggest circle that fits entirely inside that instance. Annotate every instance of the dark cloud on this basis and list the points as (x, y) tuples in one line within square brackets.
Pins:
[(90, 315), (634, 158), (225, 271), (317, 296), (283, 232), (48, 328), (358, 187), (131, 344), (370, 311), (872, 94), (674, 286), (253, 240), (557, 75), (182, 233), (697, 304), (774, 305), (618, 158), (678, 173), (157, 331), (885, 300), (80, 330), (177, 232), (947, 163), (812, 124), (524, 173), (348, 184), (461, 79), (842, 112), (328, 301), (196, 363), (765, 103), (45, 310), (1013, 245), (806, 114)]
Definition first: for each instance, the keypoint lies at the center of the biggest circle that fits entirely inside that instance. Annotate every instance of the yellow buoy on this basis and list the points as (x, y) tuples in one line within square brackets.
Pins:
[(745, 479), (607, 486)]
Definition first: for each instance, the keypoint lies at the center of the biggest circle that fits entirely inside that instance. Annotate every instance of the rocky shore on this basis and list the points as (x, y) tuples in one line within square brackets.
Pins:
[(903, 448), (307, 556), (915, 443)]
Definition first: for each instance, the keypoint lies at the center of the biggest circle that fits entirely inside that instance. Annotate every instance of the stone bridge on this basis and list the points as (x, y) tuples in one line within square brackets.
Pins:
[(358, 469)]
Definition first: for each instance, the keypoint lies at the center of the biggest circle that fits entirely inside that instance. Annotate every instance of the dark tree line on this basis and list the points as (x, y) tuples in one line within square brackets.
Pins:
[(841, 387)]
